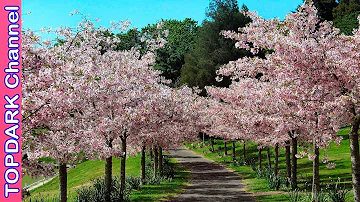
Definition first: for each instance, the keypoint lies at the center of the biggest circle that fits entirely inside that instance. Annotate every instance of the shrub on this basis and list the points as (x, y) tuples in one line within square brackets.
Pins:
[(95, 193), (276, 181), (336, 192), (321, 197), (44, 199), (293, 195), (133, 182)]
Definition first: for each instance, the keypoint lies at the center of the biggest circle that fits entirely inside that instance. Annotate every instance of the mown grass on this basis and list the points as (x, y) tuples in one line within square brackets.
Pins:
[(340, 155), (84, 172), (27, 180), (165, 189)]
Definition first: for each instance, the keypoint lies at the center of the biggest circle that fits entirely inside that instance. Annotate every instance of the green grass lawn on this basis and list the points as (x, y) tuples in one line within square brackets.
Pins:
[(165, 189), (340, 155), (27, 180), (84, 172)]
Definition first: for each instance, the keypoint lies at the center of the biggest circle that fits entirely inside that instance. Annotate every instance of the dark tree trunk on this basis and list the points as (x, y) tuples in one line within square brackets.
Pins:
[(355, 158), (156, 161), (225, 148), (268, 157), (294, 163), (108, 175), (316, 174), (244, 145), (276, 161), (63, 182), (233, 151), (212, 144), (123, 167), (151, 153), (259, 158), (160, 160), (288, 161), (143, 164)]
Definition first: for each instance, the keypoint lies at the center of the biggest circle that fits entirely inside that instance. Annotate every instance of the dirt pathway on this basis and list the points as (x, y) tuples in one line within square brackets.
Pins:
[(210, 182)]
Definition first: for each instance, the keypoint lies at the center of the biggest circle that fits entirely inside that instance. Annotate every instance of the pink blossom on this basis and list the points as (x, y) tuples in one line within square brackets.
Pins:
[(331, 166)]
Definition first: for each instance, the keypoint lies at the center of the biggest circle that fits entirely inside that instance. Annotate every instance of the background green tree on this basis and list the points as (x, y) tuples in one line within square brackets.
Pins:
[(211, 49), (180, 39), (345, 15), (325, 9)]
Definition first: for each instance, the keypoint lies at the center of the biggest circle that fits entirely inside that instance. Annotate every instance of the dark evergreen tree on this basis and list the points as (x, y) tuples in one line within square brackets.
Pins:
[(345, 15), (325, 8), (180, 39), (211, 48)]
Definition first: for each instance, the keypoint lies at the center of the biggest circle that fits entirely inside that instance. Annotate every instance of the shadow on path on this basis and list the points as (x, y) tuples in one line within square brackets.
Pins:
[(210, 182)]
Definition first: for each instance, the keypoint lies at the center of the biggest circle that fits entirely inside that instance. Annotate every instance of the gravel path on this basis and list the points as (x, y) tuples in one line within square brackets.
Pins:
[(210, 181)]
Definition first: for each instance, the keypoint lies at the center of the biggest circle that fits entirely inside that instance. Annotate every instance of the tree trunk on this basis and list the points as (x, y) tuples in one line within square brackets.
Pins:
[(269, 157), (160, 160), (225, 148), (355, 158), (143, 164), (63, 182), (151, 153), (233, 151), (244, 145), (123, 167), (156, 161), (212, 144), (316, 174), (276, 161), (259, 158), (288, 161), (108, 175), (294, 163)]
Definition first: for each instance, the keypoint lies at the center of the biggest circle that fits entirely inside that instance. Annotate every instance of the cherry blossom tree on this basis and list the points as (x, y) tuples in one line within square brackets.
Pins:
[(300, 65)]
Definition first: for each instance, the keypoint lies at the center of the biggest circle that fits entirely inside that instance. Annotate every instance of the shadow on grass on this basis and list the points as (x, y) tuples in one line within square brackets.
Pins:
[(163, 190), (210, 182)]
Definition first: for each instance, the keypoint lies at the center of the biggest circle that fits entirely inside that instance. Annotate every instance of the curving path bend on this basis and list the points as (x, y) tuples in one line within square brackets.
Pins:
[(209, 181)]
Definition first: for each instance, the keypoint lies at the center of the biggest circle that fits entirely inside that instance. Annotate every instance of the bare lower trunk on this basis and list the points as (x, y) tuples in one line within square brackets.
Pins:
[(151, 153), (108, 175), (276, 161), (244, 148), (276, 164), (63, 182), (233, 151), (156, 161), (294, 163), (316, 174), (143, 164), (108, 178), (225, 148), (212, 144), (269, 157), (160, 160), (259, 158), (355, 158), (123, 167), (288, 161)]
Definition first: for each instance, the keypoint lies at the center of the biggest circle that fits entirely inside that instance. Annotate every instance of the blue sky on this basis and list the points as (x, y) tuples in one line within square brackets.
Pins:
[(50, 13)]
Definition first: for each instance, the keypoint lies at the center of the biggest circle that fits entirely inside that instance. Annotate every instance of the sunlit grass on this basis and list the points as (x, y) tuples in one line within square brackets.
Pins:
[(83, 173)]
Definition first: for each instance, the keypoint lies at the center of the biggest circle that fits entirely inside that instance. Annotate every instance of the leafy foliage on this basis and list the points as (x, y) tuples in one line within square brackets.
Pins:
[(211, 49)]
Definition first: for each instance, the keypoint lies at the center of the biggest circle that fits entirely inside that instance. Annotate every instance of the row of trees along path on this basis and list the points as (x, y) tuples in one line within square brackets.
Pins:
[(84, 99), (300, 88)]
